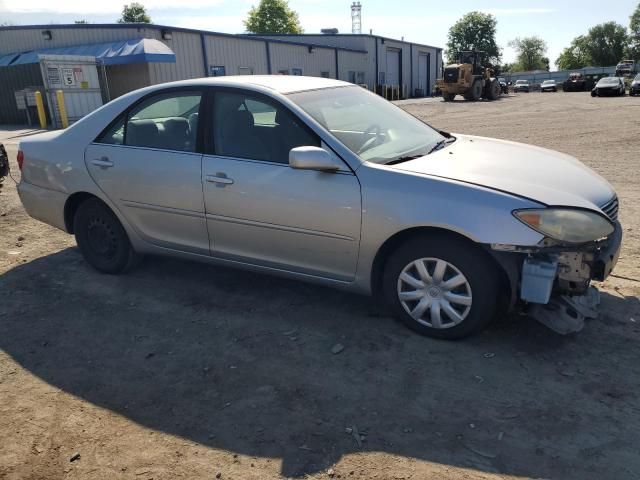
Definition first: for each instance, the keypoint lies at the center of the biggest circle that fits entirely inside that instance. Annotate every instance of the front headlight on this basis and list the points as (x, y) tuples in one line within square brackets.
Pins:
[(567, 225)]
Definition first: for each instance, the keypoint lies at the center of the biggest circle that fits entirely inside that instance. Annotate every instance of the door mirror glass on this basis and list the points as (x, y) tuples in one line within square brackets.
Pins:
[(312, 158)]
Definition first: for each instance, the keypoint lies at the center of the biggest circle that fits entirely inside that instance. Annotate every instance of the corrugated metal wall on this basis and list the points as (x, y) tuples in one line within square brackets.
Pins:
[(357, 62), (17, 78), (233, 53), (189, 63), (123, 79), (370, 43), (359, 42), (21, 40), (288, 57)]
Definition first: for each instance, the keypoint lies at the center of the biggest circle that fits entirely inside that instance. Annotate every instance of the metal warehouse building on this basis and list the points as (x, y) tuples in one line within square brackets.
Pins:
[(95, 63)]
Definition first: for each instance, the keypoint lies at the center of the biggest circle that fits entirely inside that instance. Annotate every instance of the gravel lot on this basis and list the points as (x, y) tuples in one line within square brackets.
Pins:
[(183, 370)]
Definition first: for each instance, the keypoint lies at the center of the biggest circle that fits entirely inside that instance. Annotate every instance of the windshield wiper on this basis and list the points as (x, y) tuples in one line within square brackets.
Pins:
[(441, 144), (436, 147), (403, 159)]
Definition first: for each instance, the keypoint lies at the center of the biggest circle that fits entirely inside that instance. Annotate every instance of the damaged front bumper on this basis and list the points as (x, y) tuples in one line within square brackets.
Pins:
[(555, 280)]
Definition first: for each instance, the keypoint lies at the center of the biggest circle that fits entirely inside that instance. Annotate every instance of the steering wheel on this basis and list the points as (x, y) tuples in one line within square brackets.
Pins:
[(373, 141)]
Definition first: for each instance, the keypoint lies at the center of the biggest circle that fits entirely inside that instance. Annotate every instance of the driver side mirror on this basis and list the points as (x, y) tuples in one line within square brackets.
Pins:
[(312, 158)]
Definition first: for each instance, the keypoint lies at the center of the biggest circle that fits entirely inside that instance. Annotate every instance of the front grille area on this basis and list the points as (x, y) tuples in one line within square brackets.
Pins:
[(610, 209), (451, 75)]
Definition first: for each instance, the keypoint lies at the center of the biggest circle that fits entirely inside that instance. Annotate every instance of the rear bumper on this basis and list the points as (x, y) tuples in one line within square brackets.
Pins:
[(43, 204)]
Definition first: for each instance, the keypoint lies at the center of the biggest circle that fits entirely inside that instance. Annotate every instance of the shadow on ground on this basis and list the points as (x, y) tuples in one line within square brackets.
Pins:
[(243, 362)]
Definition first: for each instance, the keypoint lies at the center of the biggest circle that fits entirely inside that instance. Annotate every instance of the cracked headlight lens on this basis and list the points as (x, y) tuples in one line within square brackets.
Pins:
[(567, 225)]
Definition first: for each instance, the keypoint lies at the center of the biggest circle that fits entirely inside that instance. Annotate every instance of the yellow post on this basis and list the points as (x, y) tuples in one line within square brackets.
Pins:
[(40, 107), (62, 109)]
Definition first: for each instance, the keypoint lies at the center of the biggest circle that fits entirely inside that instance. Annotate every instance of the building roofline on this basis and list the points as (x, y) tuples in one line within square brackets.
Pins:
[(380, 37), (154, 26)]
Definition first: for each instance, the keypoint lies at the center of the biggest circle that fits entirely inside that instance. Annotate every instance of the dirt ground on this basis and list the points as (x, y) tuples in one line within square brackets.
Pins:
[(184, 370)]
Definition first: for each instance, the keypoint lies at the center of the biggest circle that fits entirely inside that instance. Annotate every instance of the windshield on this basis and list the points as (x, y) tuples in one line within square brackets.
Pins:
[(522, 82), (637, 79), (608, 81), (368, 125), (548, 82)]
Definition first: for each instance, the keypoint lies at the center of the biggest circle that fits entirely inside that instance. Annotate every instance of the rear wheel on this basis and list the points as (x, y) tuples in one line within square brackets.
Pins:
[(101, 238), (439, 286)]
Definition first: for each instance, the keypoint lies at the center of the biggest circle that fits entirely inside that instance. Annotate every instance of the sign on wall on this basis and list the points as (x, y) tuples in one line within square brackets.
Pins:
[(68, 77), (217, 70), (53, 75)]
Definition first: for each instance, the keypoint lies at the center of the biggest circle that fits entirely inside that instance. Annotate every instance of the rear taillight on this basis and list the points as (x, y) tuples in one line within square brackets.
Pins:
[(20, 159)]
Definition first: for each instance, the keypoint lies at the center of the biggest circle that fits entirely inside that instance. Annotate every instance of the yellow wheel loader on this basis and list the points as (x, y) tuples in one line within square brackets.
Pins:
[(469, 78)]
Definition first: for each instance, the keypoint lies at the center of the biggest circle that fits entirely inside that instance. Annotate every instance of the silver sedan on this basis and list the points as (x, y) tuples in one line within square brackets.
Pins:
[(323, 181)]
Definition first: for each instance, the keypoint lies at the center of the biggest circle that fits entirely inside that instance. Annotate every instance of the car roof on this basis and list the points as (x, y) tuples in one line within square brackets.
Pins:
[(280, 83)]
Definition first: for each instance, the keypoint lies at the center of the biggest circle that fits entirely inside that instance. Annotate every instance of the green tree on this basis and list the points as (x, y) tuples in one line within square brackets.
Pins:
[(575, 55), (633, 50), (134, 13), (606, 44), (474, 31), (273, 16), (505, 68), (530, 53)]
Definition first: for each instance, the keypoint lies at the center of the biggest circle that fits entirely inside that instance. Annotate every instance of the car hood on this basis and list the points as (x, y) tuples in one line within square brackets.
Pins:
[(545, 176)]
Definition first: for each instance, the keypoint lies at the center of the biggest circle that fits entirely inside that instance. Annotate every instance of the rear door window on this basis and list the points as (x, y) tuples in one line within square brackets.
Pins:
[(167, 121)]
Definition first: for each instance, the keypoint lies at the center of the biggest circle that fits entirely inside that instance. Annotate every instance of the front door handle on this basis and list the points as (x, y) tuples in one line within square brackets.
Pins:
[(102, 162), (219, 178)]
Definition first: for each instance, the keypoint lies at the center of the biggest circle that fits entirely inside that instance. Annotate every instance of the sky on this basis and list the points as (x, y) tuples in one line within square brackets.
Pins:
[(420, 21)]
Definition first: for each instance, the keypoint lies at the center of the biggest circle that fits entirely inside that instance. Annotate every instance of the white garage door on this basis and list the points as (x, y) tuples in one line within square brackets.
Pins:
[(423, 73), (393, 66)]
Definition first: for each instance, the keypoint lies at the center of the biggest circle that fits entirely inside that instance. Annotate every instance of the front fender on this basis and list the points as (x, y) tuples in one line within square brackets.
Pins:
[(394, 201)]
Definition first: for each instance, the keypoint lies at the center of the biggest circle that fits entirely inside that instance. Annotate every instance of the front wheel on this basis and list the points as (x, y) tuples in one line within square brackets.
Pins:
[(101, 238), (440, 287), (475, 92), (448, 97)]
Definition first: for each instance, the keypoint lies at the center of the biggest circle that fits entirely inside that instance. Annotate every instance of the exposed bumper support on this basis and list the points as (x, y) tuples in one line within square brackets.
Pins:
[(555, 280), (565, 314)]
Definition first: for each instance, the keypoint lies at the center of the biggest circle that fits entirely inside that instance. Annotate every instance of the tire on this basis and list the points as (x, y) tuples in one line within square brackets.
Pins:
[(457, 320), (475, 92), (449, 97), (102, 239), (494, 91)]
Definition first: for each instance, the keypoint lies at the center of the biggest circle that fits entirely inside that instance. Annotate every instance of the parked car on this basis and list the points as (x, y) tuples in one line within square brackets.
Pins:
[(4, 164), (626, 68), (634, 89), (549, 86), (575, 83), (320, 180), (609, 86), (522, 86), (503, 85)]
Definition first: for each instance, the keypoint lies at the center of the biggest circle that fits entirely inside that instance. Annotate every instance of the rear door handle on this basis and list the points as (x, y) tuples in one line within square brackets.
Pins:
[(102, 162), (219, 178)]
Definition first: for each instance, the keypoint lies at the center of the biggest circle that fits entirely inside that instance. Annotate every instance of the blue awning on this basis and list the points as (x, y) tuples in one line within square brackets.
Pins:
[(7, 59), (112, 53)]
